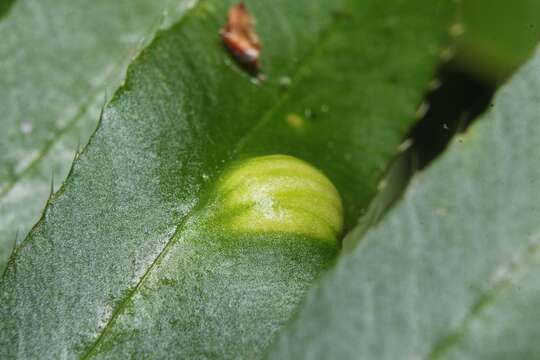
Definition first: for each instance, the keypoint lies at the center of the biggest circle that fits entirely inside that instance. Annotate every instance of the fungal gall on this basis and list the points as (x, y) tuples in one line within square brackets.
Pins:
[(282, 194)]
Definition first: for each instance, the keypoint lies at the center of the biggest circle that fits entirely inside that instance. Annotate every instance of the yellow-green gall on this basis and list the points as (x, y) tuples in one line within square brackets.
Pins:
[(280, 193)]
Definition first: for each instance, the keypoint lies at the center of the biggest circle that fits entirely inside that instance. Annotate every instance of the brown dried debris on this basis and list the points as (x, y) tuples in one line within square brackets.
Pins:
[(240, 38)]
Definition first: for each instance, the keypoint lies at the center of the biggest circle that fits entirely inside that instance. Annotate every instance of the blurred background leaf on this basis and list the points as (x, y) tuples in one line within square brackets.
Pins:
[(495, 36), (58, 61)]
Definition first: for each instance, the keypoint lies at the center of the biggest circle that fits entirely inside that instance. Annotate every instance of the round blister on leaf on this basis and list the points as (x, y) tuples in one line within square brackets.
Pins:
[(283, 194)]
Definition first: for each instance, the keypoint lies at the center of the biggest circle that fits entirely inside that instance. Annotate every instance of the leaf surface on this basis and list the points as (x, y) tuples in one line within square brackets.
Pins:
[(451, 272), (127, 263), (492, 51), (58, 60)]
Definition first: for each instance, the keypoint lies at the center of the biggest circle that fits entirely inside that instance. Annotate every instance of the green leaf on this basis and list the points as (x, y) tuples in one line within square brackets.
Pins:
[(58, 59), (451, 272), (124, 261), (493, 38)]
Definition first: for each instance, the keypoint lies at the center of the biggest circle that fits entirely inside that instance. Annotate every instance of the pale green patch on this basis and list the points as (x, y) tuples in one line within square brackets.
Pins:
[(295, 121), (280, 193)]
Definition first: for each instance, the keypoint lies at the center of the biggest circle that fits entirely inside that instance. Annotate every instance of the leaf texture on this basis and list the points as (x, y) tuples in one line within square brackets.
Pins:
[(123, 261), (58, 61)]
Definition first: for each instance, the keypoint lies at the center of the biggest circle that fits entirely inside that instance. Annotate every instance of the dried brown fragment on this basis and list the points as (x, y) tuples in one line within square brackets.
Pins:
[(240, 38)]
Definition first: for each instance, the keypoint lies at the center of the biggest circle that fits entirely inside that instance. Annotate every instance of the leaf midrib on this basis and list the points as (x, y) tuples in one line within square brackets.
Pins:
[(263, 120)]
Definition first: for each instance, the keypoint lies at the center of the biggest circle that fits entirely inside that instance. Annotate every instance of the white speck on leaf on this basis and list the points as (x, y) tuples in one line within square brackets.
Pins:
[(26, 127)]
